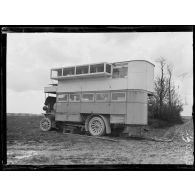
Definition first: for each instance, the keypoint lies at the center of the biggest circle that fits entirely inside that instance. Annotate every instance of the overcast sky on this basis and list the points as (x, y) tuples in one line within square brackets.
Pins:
[(31, 56)]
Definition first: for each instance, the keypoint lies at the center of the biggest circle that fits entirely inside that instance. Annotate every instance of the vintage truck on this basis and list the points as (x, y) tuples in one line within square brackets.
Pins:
[(97, 96)]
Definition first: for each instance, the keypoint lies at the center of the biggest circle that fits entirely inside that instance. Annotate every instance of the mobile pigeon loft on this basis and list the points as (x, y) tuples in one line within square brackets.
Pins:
[(99, 95)]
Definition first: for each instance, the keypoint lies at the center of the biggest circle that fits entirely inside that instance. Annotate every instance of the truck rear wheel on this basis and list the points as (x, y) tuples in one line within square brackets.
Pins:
[(45, 124), (96, 126)]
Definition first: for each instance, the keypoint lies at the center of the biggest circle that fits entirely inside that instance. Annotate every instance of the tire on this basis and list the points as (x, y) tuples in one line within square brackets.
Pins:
[(96, 126), (45, 124)]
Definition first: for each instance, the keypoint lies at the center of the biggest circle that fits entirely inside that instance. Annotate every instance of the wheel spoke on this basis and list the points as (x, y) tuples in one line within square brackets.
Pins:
[(45, 124), (96, 126)]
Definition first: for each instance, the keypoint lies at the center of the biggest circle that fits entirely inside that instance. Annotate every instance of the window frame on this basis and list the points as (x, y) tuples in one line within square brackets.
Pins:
[(119, 67), (73, 94), (101, 100), (52, 75), (109, 67), (118, 100), (96, 66), (63, 100), (89, 100), (83, 66), (66, 68)]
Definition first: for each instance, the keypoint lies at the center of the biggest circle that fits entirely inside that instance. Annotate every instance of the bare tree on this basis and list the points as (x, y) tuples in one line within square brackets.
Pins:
[(161, 84), (170, 72), (166, 103)]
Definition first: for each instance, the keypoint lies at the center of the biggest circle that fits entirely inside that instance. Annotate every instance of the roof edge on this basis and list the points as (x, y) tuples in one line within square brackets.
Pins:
[(133, 61), (100, 63)]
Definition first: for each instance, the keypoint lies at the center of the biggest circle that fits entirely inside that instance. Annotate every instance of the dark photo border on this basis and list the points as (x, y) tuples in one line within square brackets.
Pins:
[(75, 29)]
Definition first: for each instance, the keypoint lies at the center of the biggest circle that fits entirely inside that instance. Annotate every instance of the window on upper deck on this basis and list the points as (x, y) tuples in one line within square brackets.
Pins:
[(82, 70), (68, 71), (97, 68), (56, 72), (120, 72), (108, 68)]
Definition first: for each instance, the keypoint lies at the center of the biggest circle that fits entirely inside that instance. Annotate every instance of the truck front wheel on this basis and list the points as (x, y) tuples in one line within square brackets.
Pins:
[(45, 124)]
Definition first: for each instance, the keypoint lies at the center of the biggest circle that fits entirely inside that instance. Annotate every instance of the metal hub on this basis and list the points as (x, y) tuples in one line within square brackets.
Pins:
[(96, 126), (45, 124)]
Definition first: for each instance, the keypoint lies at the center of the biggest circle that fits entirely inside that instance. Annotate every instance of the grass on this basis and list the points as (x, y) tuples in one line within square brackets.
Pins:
[(27, 144)]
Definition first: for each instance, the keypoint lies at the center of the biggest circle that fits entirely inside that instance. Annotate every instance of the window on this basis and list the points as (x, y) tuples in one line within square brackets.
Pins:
[(56, 73), (74, 97), (108, 68), (120, 72), (118, 96), (102, 97), (59, 72), (97, 68), (88, 97), (68, 71), (62, 97), (82, 70)]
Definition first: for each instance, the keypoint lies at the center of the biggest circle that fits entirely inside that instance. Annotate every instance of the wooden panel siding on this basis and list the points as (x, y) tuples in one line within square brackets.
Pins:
[(137, 96), (118, 108), (137, 113), (95, 107), (74, 107), (133, 110), (62, 107), (68, 117), (117, 118)]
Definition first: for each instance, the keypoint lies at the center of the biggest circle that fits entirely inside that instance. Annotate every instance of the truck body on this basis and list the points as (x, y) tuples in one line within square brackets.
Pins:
[(116, 92)]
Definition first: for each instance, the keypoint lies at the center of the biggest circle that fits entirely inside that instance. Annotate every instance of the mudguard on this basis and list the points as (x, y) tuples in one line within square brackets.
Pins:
[(107, 123)]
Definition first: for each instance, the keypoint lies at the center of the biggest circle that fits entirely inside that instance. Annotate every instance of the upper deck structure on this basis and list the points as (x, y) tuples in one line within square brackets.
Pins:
[(126, 75)]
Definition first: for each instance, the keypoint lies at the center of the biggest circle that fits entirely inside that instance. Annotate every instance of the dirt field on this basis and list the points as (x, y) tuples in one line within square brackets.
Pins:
[(27, 145)]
